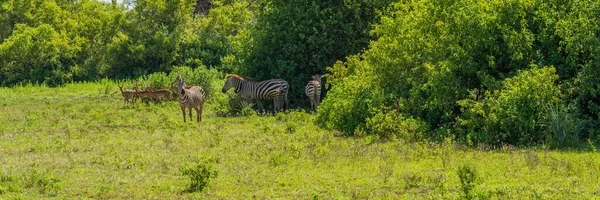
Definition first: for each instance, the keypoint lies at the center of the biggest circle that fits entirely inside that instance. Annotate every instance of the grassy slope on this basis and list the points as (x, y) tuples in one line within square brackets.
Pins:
[(76, 141)]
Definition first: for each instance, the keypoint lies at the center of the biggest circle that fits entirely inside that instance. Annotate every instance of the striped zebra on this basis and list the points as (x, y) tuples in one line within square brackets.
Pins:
[(274, 89), (191, 98), (313, 91)]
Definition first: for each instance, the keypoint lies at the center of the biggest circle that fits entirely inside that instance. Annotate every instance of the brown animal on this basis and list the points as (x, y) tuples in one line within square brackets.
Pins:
[(162, 94), (144, 94), (128, 95)]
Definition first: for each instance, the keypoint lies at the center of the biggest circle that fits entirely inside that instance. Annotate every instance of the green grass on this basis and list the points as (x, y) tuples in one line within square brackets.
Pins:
[(78, 141)]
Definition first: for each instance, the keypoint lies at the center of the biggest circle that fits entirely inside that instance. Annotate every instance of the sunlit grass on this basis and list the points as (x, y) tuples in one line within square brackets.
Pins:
[(82, 141)]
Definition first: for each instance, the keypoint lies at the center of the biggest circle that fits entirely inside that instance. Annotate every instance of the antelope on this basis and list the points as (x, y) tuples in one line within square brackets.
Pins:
[(142, 93), (128, 95), (162, 94)]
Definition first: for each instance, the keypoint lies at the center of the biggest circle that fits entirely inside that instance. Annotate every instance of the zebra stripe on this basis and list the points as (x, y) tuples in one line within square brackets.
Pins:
[(191, 98), (274, 89), (313, 91)]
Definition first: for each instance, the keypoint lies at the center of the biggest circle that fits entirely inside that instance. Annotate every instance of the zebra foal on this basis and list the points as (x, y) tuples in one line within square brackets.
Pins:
[(190, 98), (313, 91), (274, 89)]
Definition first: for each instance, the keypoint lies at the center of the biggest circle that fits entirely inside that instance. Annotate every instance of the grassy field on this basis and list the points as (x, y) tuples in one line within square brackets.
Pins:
[(78, 141)]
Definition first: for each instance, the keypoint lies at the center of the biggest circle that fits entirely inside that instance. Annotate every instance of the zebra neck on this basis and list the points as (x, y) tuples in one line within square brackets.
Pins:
[(238, 85)]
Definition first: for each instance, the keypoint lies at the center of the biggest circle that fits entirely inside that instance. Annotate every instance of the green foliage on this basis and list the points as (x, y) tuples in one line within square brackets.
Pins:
[(394, 125), (38, 55), (430, 57), (200, 174), (55, 42), (468, 176), (563, 124), (293, 40), (349, 104), (514, 114), (46, 182)]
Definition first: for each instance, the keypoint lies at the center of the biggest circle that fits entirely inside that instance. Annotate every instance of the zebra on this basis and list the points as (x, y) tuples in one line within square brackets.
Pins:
[(191, 98), (274, 89), (313, 91)]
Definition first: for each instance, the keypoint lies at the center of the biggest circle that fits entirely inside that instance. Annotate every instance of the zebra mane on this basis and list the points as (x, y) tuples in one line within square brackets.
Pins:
[(235, 76)]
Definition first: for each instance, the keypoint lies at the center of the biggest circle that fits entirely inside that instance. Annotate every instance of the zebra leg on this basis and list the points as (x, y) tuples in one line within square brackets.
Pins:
[(260, 107), (183, 111), (286, 103), (318, 100), (199, 112), (276, 104), (191, 114)]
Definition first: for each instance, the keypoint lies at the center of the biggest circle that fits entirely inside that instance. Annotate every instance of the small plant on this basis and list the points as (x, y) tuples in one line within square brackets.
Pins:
[(200, 173), (277, 159), (532, 160), (246, 109), (592, 146), (291, 128), (468, 176), (412, 180), (386, 170), (45, 182)]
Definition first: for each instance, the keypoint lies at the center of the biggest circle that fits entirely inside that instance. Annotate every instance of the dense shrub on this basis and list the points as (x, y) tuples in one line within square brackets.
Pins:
[(516, 113), (38, 55), (437, 59), (349, 104), (394, 125)]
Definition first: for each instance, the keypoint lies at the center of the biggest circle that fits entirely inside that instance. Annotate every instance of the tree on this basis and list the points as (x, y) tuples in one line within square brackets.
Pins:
[(294, 39)]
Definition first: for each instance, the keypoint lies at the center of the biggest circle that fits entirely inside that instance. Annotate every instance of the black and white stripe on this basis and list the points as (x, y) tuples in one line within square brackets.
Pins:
[(313, 91), (274, 89), (191, 97)]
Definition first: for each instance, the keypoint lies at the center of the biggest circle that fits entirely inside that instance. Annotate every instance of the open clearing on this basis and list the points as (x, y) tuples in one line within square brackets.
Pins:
[(77, 141)]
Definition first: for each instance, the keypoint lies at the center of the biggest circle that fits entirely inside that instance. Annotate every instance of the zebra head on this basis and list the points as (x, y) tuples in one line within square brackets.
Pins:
[(317, 77), (231, 82), (181, 84)]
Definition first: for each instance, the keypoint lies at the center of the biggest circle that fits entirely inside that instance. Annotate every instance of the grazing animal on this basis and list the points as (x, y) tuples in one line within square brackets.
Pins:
[(128, 95), (274, 89), (190, 98), (162, 94), (313, 91), (143, 94)]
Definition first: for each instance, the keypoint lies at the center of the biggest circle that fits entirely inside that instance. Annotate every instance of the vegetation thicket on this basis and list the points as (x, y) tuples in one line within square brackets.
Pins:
[(437, 99), (496, 72)]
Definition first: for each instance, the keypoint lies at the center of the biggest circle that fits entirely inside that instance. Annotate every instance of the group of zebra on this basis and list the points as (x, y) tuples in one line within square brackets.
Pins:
[(192, 97), (274, 89)]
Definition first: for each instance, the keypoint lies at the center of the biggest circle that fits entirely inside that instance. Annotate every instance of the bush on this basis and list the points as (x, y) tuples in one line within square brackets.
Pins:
[(515, 114), (37, 55), (467, 174), (349, 104), (395, 126), (199, 174)]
